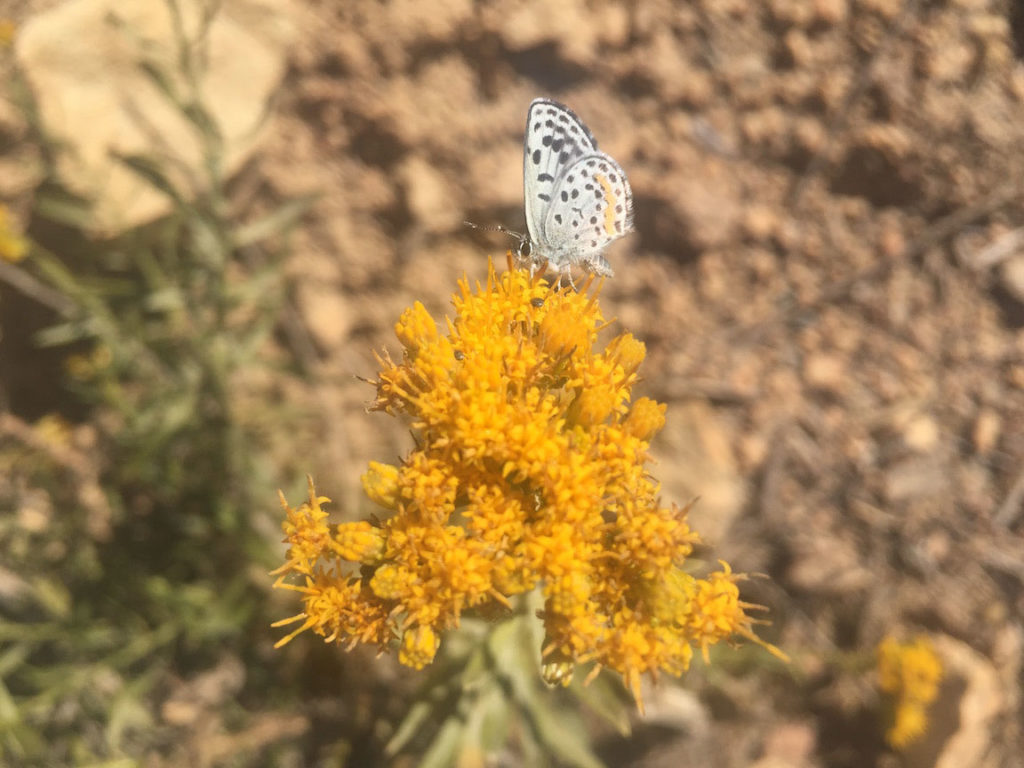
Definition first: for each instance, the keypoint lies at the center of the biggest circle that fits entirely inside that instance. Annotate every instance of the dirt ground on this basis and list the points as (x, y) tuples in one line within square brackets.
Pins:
[(828, 273)]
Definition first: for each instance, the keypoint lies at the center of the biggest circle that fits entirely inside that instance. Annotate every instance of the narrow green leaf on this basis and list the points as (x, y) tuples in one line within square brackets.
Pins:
[(204, 121), (151, 171), (561, 731), (9, 713), (281, 219), (157, 75), (13, 657), (446, 747), (607, 698), (418, 714), (61, 207)]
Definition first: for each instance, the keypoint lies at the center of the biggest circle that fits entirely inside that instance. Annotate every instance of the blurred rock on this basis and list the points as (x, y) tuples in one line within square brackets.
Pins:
[(921, 433), (986, 430), (82, 61), (828, 563), (1012, 276), (695, 460), (790, 745), (582, 31), (972, 697), (916, 477), (326, 312), (194, 698), (825, 372), (671, 706), (428, 196)]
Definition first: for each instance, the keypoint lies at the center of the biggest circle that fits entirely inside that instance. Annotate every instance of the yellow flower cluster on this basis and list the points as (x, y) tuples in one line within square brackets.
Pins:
[(529, 472), (909, 673)]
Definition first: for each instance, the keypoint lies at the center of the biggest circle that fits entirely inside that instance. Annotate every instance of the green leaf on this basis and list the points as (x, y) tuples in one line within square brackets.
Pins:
[(128, 709), (8, 707), (13, 658), (417, 716), (562, 732), (54, 597), (153, 172), (201, 118), (284, 218), (446, 747), (62, 334), (56, 204), (160, 78), (490, 718), (608, 699)]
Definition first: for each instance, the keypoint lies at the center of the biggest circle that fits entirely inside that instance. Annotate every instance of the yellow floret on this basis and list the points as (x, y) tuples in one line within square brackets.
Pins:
[(910, 674), (416, 328), (380, 482), (359, 542), (645, 419), (419, 645)]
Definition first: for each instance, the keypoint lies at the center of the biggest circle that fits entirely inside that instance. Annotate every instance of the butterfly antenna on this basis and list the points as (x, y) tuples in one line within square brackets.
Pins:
[(494, 228)]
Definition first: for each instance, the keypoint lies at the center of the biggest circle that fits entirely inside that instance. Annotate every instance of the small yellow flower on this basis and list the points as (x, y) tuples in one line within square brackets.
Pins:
[(54, 430), (381, 484), (529, 474), (910, 674), (416, 328), (419, 646), (359, 542), (307, 533), (645, 419), (89, 366), (13, 245), (7, 32), (628, 352)]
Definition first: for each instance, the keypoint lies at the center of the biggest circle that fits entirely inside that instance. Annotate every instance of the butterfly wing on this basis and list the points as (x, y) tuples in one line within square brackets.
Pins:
[(592, 207), (555, 138)]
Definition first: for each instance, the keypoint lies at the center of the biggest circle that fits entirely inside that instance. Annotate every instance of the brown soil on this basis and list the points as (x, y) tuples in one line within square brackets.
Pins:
[(828, 273)]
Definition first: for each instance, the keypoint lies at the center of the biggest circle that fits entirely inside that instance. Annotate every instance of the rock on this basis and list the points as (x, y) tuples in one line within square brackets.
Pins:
[(915, 478), (1012, 276), (428, 196), (695, 460), (193, 699), (789, 745), (921, 433), (986, 430), (966, 713), (825, 372), (82, 61)]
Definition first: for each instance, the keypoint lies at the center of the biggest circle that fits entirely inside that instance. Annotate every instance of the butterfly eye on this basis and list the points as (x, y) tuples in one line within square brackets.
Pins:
[(525, 248)]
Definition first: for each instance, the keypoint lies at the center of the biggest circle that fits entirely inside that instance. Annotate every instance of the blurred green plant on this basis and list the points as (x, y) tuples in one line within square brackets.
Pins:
[(485, 694), (131, 550)]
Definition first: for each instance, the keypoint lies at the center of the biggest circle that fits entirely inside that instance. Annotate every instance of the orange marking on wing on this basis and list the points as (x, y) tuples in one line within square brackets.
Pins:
[(609, 203)]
